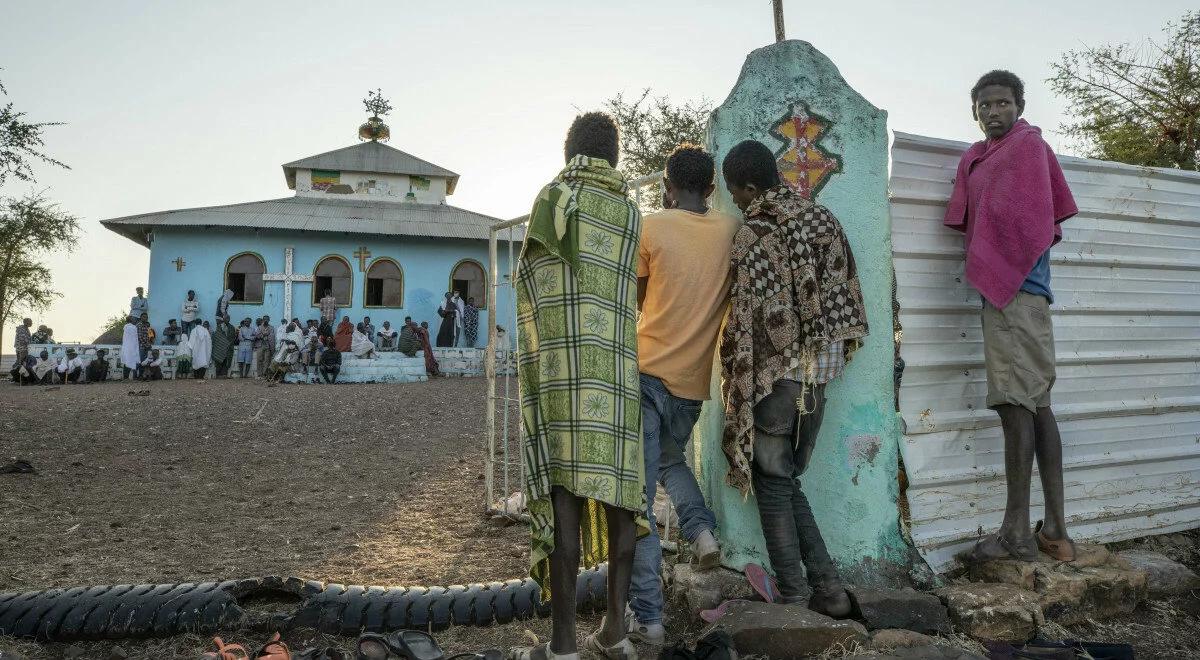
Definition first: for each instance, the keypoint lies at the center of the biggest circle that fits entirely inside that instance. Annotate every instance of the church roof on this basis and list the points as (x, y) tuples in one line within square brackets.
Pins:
[(319, 214), (373, 157)]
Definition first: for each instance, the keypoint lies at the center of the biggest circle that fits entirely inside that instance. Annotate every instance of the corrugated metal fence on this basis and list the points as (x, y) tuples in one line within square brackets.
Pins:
[(1126, 278)]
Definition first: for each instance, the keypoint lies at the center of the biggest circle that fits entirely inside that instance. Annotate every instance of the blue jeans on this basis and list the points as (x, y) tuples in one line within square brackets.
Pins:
[(667, 422)]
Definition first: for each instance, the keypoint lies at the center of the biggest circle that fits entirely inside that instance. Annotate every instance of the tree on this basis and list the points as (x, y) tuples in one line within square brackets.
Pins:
[(114, 322), (1139, 103), (20, 143), (651, 128), (29, 227)]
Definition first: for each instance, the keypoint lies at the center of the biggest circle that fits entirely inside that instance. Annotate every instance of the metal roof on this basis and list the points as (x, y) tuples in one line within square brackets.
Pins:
[(319, 214), (1126, 281), (373, 157)]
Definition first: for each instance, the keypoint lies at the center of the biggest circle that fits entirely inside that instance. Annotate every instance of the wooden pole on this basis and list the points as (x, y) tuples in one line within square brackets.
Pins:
[(779, 36)]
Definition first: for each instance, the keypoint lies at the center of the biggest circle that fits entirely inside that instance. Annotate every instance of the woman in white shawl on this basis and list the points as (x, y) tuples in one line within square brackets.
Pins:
[(201, 344), (361, 346), (183, 357), (130, 355), (223, 303)]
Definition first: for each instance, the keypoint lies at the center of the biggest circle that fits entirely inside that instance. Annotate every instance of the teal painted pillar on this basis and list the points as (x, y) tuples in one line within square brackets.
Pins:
[(831, 142)]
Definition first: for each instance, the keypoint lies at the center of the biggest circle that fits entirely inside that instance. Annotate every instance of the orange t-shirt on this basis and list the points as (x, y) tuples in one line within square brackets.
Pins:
[(685, 255)]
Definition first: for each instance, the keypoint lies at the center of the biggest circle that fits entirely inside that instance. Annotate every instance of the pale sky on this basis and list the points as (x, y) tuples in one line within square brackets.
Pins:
[(182, 104)]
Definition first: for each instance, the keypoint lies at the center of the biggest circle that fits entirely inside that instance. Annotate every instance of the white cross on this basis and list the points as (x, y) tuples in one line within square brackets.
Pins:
[(287, 277)]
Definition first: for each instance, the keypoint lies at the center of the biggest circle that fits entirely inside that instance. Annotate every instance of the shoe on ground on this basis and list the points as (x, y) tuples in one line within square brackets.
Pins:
[(646, 633), (831, 600), (707, 550), (622, 650)]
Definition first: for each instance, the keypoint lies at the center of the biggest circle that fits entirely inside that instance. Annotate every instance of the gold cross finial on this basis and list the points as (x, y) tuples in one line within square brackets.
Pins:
[(179, 263), (362, 254)]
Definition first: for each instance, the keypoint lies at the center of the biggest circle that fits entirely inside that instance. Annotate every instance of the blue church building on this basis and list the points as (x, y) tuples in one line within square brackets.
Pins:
[(369, 222)]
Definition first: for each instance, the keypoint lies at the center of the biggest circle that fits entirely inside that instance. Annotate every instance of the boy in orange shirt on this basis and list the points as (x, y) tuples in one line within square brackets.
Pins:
[(683, 292)]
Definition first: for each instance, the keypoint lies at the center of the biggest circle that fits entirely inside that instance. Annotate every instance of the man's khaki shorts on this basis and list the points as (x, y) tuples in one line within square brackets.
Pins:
[(1018, 350)]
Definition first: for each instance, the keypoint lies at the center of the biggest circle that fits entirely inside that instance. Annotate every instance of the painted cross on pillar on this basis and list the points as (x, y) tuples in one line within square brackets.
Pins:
[(179, 263), (287, 277), (362, 254)]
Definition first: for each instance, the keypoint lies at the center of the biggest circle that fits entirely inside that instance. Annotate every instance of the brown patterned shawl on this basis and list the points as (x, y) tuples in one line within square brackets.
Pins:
[(795, 289)]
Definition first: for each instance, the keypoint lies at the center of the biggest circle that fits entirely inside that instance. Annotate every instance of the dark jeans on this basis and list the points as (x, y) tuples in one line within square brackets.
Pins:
[(223, 366), (188, 325), (137, 369), (330, 373), (783, 444), (71, 376)]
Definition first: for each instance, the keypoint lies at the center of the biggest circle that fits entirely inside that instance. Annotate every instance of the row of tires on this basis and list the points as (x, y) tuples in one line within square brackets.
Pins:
[(124, 611)]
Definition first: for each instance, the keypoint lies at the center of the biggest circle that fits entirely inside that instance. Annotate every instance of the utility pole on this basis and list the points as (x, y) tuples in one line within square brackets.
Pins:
[(779, 36)]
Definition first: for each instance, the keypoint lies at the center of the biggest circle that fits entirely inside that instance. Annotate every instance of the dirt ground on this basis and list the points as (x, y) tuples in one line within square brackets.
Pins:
[(357, 484)]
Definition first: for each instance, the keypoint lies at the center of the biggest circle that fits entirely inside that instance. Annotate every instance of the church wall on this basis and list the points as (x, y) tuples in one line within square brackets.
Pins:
[(390, 187), (426, 265)]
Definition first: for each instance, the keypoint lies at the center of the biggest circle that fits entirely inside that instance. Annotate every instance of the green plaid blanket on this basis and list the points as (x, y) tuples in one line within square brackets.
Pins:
[(578, 370)]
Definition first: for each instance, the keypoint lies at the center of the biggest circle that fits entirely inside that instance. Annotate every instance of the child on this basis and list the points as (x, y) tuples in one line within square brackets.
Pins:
[(1009, 199)]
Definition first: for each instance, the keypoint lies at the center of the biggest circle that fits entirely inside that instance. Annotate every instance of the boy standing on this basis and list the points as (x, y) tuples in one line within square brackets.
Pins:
[(1009, 198), (683, 294), (796, 316)]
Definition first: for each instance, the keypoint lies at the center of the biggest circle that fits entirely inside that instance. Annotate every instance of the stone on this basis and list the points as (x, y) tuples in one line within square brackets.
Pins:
[(927, 652), (117, 653), (695, 590), (1164, 576), (888, 639), (899, 608), (1070, 595), (781, 632), (74, 651), (997, 612)]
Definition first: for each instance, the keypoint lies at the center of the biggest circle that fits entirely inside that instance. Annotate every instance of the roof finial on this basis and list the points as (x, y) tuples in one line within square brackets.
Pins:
[(375, 130)]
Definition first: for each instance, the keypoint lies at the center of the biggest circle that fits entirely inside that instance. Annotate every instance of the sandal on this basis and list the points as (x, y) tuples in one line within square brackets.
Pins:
[(763, 584), (711, 616), (410, 644), (274, 649), (226, 651), (1062, 549), (622, 650)]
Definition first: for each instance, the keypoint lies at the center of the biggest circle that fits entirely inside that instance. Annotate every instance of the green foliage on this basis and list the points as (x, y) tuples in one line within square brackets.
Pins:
[(21, 143), (114, 322), (1138, 103), (651, 128), (29, 227)]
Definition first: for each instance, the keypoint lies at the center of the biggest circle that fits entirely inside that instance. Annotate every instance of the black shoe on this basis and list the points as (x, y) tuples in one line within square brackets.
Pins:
[(830, 599)]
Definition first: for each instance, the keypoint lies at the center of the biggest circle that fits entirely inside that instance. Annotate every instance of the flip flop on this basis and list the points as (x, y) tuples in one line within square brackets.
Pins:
[(274, 649), (1062, 549), (410, 644), (763, 584), (711, 616), (226, 651)]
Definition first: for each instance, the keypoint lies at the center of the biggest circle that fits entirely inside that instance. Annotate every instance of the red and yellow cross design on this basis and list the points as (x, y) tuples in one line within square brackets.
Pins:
[(803, 163)]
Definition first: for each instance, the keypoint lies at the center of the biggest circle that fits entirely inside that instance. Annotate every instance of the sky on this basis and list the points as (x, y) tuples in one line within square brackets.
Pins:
[(182, 104)]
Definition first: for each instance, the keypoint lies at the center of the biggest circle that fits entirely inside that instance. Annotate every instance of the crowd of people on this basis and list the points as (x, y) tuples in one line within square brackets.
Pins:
[(255, 347)]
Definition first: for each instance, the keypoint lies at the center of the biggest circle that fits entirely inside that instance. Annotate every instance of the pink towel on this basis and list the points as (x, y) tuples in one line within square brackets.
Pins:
[(1009, 198)]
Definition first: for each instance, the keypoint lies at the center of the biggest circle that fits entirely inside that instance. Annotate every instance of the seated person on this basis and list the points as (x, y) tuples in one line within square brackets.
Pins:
[(330, 364), (97, 369), (152, 366), (409, 342), (286, 358), (360, 344), (171, 333), (43, 369), (386, 337), (311, 355), (70, 368), (22, 372)]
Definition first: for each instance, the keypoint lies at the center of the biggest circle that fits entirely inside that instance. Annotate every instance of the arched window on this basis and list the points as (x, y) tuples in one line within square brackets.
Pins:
[(332, 273), (385, 284), (244, 276), (469, 281)]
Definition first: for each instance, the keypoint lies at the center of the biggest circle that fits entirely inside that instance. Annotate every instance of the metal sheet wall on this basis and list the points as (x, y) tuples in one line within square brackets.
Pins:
[(1126, 279)]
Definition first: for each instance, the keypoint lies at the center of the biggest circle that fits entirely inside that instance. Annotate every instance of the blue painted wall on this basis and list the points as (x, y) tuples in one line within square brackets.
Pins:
[(426, 264)]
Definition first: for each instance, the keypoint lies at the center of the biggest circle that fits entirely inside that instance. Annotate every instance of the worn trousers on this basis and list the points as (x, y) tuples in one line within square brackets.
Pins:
[(783, 444), (667, 422)]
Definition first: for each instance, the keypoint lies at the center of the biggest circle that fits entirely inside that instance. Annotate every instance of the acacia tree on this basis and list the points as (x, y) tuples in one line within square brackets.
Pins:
[(651, 127), (29, 228), (21, 143), (1137, 103)]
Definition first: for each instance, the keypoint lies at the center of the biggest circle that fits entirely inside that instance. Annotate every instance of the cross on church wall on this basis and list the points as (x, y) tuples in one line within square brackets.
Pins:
[(179, 263), (362, 254), (287, 277)]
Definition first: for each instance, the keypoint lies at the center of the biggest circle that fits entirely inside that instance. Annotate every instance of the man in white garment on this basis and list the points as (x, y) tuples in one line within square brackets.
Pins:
[(457, 301), (201, 341), (130, 353), (70, 368), (280, 333)]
